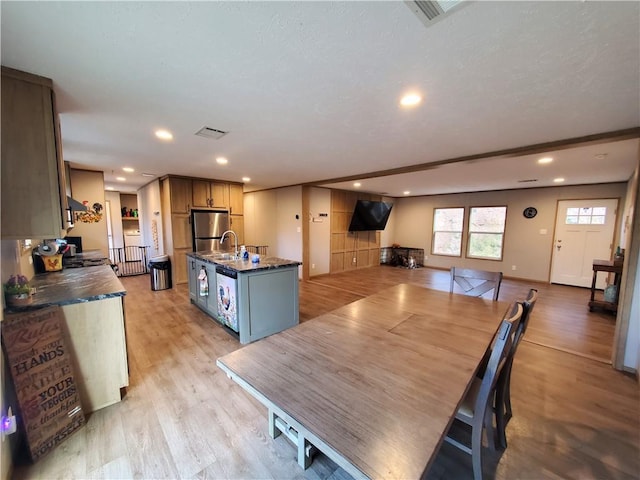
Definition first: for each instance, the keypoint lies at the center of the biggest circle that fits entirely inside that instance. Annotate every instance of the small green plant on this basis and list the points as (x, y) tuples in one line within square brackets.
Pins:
[(16, 285)]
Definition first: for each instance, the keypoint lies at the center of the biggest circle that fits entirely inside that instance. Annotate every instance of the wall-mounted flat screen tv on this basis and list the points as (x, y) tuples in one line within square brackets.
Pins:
[(370, 215)]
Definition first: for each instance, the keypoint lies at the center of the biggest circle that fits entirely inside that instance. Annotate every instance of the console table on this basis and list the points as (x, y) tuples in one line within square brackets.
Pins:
[(607, 266)]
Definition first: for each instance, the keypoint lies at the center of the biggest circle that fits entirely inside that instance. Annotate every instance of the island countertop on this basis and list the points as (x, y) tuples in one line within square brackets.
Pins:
[(73, 285), (241, 266)]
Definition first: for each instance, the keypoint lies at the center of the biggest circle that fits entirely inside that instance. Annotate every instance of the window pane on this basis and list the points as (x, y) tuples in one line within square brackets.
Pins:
[(447, 243), (449, 219), (586, 215), (447, 231), (486, 232), (487, 219), (585, 211), (486, 245)]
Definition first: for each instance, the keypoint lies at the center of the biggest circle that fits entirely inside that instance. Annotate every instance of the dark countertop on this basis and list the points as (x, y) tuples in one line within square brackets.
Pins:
[(243, 266), (73, 285), (95, 257)]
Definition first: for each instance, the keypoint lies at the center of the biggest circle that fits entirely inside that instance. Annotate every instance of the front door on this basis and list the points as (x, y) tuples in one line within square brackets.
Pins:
[(584, 232)]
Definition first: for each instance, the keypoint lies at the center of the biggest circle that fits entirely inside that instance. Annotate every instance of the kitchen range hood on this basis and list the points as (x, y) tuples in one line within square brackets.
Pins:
[(75, 205), (72, 203)]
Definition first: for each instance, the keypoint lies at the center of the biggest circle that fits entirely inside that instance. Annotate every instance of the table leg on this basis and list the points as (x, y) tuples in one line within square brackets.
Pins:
[(306, 450)]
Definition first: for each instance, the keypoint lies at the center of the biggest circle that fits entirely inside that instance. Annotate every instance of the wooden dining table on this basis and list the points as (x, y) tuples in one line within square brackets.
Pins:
[(374, 385)]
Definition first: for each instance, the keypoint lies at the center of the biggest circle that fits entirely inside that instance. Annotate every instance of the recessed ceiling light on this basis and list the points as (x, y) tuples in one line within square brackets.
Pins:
[(128, 169), (545, 160), (407, 192), (246, 179), (164, 135), (410, 100), (222, 161), (121, 179), (357, 184), (109, 188), (558, 180), (148, 175)]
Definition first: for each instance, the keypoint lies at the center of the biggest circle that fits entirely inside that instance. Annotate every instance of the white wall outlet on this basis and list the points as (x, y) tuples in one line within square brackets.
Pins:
[(513, 267), (543, 231), (354, 260), (313, 265)]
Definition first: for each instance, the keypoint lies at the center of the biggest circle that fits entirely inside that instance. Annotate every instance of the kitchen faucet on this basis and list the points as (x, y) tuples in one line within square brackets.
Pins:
[(235, 236)]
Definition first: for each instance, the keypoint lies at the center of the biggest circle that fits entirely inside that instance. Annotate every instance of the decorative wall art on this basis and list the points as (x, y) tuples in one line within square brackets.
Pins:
[(92, 215)]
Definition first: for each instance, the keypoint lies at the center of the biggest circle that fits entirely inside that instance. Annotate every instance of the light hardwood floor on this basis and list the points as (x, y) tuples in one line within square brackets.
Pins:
[(574, 417)]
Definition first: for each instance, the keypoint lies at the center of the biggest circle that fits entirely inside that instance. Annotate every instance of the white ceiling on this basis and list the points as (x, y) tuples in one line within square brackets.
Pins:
[(309, 91)]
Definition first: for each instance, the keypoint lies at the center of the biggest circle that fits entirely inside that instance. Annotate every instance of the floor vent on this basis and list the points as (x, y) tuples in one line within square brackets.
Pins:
[(209, 132)]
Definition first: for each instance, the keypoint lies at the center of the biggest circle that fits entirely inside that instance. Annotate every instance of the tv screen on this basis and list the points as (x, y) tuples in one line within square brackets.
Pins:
[(370, 215)]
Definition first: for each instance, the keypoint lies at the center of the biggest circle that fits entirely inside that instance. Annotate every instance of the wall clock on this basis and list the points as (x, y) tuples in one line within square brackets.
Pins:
[(530, 212)]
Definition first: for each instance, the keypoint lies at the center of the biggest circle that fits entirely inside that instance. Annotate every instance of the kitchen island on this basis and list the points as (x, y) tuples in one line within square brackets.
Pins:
[(91, 299), (251, 300)]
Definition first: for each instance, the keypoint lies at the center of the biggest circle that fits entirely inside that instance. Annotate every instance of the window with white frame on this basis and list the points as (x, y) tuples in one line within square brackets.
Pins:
[(447, 231), (586, 216), (486, 232)]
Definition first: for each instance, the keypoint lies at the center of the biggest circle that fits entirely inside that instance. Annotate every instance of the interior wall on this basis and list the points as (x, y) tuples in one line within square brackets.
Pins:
[(116, 222), (289, 224), (260, 219), (319, 231), (528, 242), (387, 235), (627, 340), (88, 188), (149, 218)]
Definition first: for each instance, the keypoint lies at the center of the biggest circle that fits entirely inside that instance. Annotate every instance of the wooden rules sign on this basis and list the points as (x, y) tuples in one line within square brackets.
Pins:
[(42, 373)]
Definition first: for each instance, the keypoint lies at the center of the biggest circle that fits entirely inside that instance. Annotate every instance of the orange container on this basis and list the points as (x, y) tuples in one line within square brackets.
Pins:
[(53, 263)]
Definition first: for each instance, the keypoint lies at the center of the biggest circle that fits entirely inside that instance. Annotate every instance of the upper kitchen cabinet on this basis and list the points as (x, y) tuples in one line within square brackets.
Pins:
[(236, 199), (210, 194), (34, 201), (180, 189)]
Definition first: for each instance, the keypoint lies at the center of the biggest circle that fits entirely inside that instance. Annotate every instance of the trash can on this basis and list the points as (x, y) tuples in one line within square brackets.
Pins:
[(160, 272)]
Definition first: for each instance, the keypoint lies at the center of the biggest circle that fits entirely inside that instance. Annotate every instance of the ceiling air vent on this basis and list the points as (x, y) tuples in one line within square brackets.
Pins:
[(428, 11), (529, 180), (209, 132)]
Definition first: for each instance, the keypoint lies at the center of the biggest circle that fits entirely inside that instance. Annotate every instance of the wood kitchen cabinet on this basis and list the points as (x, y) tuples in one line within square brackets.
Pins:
[(236, 199), (175, 195), (236, 223), (179, 265), (180, 191), (210, 194), (33, 185), (178, 196)]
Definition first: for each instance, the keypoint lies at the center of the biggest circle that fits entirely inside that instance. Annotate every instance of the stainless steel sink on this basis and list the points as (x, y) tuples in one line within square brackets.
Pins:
[(220, 256)]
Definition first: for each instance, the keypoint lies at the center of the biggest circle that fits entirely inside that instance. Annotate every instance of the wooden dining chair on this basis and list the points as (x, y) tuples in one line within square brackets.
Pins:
[(476, 282), (477, 407), (503, 389)]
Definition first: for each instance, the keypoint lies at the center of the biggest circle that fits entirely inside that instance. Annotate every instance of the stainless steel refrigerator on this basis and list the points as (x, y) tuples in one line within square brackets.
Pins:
[(208, 226)]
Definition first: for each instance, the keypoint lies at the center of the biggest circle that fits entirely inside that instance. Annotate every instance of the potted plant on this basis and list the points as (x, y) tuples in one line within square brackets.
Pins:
[(17, 291)]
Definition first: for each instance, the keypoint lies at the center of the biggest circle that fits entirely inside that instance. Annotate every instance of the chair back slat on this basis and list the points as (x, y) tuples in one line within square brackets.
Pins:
[(476, 282), (528, 305), (500, 353)]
